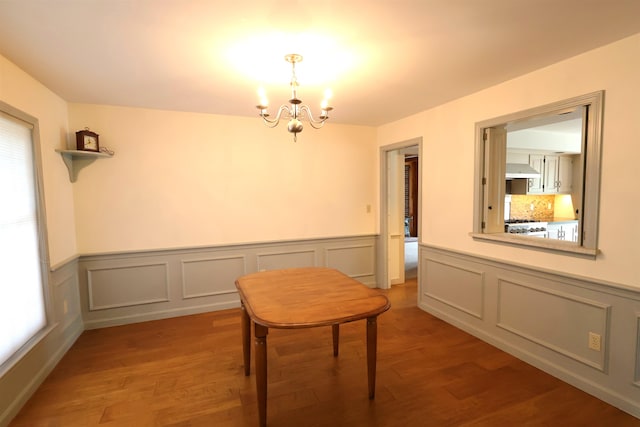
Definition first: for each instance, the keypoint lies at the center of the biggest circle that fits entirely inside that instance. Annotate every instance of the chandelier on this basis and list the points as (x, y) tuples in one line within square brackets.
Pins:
[(295, 110)]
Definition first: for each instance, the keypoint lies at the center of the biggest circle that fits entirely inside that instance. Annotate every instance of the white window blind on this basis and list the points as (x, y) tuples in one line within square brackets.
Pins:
[(22, 306)]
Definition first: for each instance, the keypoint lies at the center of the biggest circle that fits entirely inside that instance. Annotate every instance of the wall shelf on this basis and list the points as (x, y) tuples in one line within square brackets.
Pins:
[(76, 160)]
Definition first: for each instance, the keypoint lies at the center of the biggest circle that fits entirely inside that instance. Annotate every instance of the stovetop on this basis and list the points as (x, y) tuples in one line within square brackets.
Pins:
[(522, 221), (524, 226)]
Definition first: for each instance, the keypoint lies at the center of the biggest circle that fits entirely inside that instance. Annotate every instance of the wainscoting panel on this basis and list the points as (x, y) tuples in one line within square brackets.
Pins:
[(457, 286), (65, 304), (636, 379), (66, 301), (287, 259), (542, 317), (123, 286), (211, 276), (355, 261), (557, 321)]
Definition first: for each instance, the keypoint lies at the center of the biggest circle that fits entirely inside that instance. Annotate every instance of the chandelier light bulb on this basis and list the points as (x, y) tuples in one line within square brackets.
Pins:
[(264, 102), (295, 109)]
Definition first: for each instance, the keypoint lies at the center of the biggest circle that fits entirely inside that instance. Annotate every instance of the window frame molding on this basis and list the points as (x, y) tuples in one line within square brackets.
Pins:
[(591, 177), (43, 241)]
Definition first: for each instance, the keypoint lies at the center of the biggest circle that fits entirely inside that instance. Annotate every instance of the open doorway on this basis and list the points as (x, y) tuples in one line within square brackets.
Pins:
[(400, 202), (411, 211)]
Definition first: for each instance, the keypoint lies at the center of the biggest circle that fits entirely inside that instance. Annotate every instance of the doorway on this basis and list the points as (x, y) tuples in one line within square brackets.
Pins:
[(411, 211), (400, 207)]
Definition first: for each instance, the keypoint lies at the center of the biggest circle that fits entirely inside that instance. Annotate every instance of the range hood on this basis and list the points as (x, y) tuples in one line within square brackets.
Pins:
[(521, 170)]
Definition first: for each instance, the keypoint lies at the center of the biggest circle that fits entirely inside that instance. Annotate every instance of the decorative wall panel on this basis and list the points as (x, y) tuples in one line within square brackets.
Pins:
[(123, 286), (354, 261), (286, 259), (555, 320), (456, 286), (636, 379), (67, 306), (211, 276)]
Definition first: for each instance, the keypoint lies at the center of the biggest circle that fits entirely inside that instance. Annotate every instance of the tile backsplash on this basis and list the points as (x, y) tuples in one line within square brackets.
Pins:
[(537, 208)]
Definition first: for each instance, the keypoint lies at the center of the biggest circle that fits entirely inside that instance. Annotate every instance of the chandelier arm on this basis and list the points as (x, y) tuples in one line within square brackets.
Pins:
[(315, 123), (275, 121)]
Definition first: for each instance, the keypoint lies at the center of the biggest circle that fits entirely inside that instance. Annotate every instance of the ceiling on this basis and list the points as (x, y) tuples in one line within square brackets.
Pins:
[(383, 60)]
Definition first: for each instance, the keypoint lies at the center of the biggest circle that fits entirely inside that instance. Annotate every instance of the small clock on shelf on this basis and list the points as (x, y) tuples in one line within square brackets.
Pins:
[(87, 140)]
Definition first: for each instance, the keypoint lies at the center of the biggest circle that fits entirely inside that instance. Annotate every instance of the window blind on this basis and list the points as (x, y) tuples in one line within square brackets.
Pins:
[(22, 305)]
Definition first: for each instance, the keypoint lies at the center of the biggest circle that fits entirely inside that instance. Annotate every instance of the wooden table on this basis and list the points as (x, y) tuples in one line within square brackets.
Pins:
[(304, 298)]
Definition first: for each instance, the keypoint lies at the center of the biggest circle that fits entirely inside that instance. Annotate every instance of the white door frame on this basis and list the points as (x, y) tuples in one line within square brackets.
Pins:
[(384, 281)]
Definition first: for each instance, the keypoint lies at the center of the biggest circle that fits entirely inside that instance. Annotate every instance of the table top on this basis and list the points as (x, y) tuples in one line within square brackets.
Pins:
[(307, 297)]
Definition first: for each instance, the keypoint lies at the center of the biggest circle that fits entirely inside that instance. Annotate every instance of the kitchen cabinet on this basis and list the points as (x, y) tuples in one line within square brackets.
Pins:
[(564, 230), (547, 165), (555, 174), (565, 174)]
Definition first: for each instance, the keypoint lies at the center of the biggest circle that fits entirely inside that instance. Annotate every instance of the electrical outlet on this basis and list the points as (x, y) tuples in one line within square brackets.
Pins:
[(594, 341)]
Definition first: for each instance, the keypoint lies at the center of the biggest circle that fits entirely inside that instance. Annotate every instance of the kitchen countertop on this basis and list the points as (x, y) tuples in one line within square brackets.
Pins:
[(559, 220)]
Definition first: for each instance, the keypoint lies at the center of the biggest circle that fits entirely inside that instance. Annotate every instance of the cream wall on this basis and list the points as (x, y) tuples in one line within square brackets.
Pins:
[(184, 179), (448, 159), (23, 92)]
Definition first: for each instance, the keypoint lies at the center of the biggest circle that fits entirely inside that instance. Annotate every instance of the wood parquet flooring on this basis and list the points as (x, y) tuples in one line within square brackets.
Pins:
[(188, 371)]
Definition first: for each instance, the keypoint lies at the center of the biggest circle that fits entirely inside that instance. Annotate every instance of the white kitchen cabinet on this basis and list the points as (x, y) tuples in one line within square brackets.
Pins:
[(565, 230), (550, 175), (555, 174), (536, 185), (565, 174), (573, 231), (547, 165)]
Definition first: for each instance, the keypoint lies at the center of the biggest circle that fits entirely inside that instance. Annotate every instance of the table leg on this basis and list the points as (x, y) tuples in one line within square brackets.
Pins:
[(261, 371), (335, 329), (246, 339), (372, 346)]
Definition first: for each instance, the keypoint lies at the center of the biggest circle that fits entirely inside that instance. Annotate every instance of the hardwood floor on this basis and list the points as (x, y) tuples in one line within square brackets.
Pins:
[(188, 371)]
